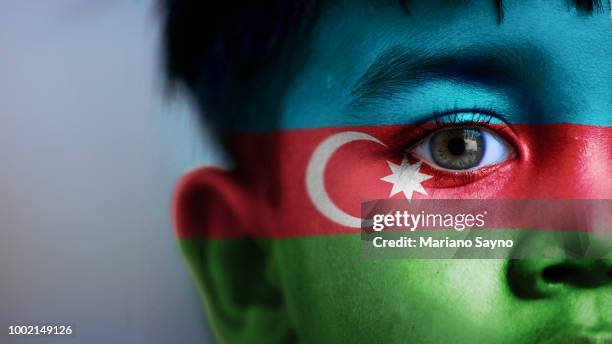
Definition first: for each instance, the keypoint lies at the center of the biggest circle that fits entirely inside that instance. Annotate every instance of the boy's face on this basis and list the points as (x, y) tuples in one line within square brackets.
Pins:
[(369, 63)]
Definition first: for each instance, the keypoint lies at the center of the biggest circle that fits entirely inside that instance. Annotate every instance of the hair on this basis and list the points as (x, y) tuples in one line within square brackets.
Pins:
[(209, 44)]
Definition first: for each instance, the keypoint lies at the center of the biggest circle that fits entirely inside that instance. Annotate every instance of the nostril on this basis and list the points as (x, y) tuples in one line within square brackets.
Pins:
[(558, 273), (538, 279)]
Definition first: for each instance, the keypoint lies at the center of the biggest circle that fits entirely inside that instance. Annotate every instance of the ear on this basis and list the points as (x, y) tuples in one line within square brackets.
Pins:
[(234, 270), (210, 203)]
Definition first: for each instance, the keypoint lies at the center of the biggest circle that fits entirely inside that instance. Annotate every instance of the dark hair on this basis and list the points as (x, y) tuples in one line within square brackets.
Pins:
[(207, 44), (210, 43)]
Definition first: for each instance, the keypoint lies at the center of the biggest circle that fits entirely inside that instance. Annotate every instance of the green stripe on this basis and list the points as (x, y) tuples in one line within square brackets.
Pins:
[(321, 289)]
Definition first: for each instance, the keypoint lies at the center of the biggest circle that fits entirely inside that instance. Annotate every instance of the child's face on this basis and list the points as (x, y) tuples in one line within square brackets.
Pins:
[(544, 64)]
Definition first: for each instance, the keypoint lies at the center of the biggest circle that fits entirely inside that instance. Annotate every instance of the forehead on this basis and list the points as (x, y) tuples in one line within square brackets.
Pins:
[(368, 26), (349, 35)]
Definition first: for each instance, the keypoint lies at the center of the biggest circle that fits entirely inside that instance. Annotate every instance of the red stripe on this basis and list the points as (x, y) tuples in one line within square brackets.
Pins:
[(556, 161)]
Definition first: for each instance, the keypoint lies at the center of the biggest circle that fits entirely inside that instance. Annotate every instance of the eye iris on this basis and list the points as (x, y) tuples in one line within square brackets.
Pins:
[(458, 149)]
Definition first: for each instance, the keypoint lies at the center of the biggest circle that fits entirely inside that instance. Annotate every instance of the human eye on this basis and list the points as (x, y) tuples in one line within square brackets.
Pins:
[(464, 143), (463, 149)]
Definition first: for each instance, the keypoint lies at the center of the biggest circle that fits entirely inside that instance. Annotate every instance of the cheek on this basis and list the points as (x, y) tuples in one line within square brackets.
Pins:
[(462, 290), (354, 173), (335, 293)]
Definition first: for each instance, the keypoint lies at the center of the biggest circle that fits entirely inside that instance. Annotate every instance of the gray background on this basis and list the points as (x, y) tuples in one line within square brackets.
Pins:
[(90, 151)]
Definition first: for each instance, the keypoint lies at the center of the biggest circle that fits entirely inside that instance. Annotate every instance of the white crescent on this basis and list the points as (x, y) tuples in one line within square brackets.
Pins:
[(315, 172)]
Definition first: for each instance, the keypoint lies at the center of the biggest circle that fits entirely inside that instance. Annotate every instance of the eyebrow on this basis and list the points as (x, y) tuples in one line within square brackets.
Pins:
[(399, 69)]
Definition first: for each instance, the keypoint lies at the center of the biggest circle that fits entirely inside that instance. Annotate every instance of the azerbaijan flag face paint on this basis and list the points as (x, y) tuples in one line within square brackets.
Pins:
[(446, 103)]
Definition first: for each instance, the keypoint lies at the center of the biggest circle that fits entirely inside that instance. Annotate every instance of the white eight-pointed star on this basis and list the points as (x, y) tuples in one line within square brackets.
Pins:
[(406, 178)]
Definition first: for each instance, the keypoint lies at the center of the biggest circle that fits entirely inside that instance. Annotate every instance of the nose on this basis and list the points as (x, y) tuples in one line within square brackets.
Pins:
[(579, 261), (538, 279)]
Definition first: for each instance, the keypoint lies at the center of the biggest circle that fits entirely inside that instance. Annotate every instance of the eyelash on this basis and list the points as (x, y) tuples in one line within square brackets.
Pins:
[(481, 118), (462, 118)]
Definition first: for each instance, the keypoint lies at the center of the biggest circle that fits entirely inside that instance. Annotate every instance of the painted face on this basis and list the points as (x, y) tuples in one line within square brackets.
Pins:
[(488, 110)]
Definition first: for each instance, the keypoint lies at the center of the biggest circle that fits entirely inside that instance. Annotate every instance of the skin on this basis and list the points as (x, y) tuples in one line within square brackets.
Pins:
[(320, 289)]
